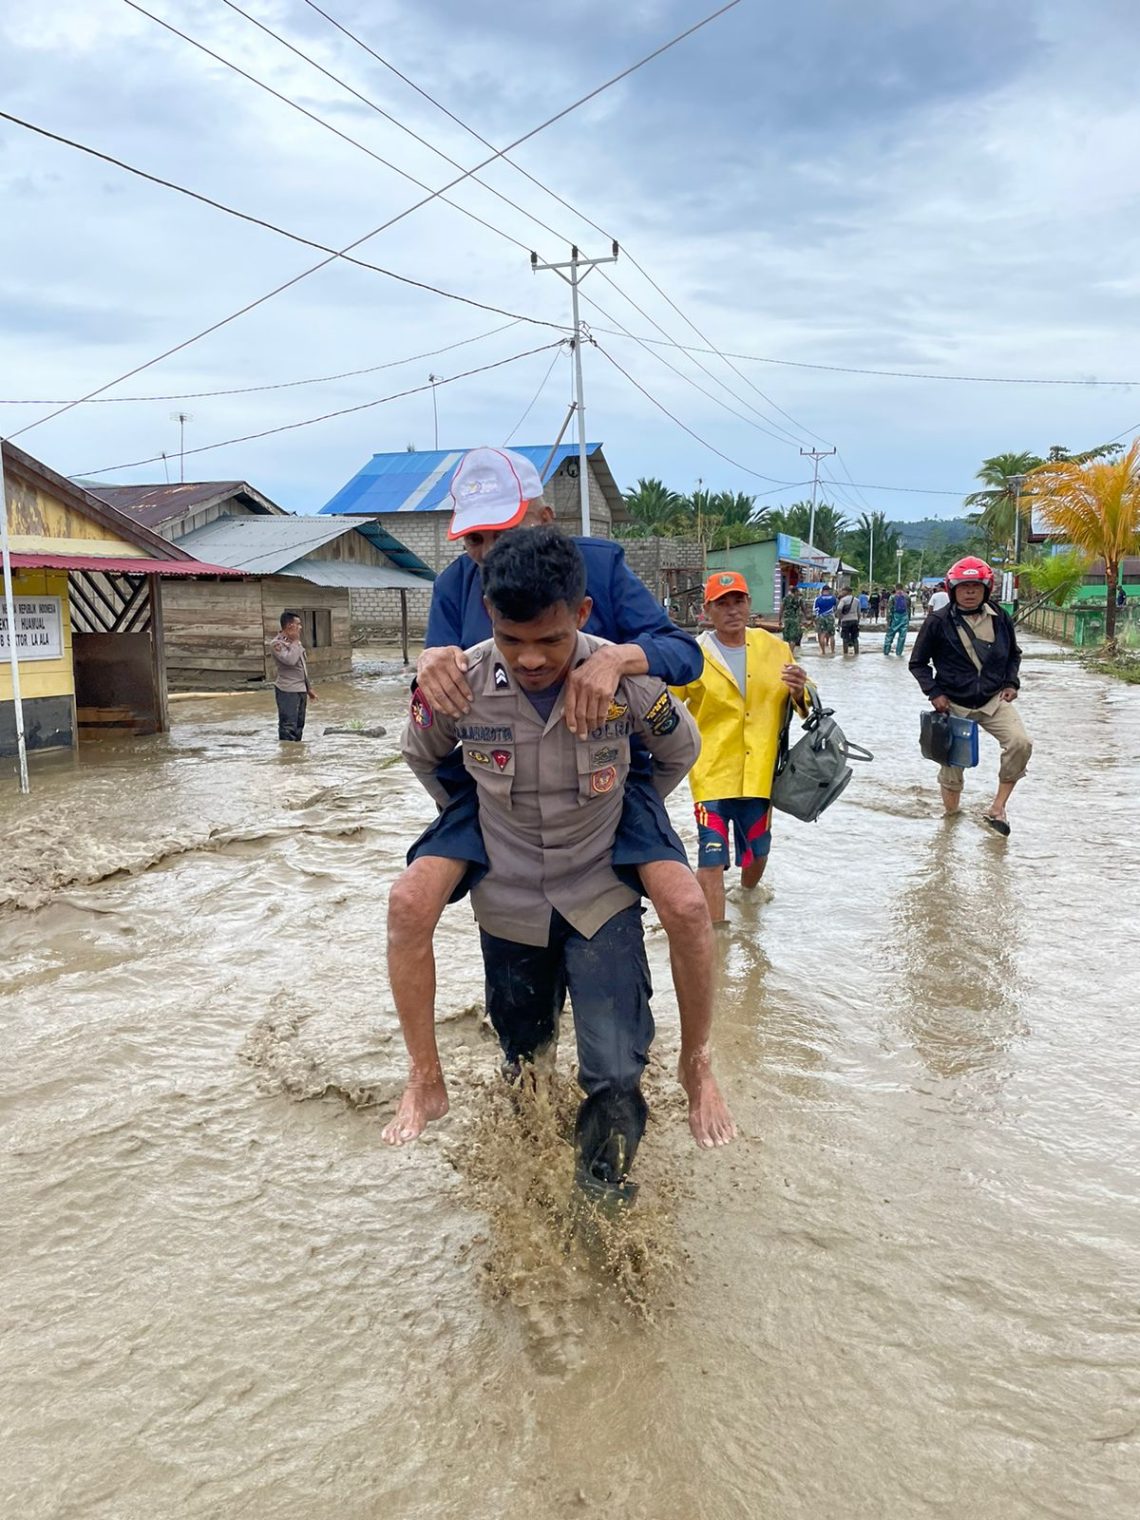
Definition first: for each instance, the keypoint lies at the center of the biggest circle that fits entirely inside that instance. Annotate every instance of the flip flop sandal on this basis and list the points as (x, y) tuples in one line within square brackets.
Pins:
[(998, 825)]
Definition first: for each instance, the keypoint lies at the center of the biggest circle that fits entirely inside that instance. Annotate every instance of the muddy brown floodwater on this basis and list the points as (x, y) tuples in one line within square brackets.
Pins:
[(912, 1288)]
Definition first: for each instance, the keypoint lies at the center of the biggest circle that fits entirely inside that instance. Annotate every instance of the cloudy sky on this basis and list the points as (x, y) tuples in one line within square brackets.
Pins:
[(947, 187)]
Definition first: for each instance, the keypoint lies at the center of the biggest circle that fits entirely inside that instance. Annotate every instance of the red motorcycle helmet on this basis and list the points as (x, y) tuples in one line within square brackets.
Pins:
[(970, 572)]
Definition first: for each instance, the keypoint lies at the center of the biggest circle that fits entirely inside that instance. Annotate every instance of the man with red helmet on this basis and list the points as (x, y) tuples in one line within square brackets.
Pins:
[(966, 659)]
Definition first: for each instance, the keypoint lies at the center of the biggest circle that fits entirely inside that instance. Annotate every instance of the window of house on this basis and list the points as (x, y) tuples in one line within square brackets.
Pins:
[(316, 628)]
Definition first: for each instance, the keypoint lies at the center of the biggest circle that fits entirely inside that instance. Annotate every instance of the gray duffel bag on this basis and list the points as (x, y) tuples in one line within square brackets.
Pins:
[(813, 772)]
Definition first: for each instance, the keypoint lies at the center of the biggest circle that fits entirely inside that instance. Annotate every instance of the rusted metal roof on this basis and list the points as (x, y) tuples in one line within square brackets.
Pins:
[(123, 566), (157, 505)]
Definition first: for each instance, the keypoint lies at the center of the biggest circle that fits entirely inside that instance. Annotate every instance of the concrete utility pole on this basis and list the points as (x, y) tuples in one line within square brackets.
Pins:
[(10, 610), (1016, 481), (815, 455), (574, 279)]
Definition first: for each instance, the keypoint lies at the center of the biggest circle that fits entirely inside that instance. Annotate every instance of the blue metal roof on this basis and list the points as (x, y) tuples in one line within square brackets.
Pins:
[(419, 482)]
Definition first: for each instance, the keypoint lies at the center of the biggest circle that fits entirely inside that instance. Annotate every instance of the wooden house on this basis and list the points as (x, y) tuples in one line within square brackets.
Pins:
[(217, 636)]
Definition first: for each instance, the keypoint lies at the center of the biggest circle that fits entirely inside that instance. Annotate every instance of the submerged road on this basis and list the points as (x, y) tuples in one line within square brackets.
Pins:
[(912, 1288)]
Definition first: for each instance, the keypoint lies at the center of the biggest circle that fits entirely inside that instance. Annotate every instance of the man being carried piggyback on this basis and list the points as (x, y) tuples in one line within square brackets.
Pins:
[(554, 914)]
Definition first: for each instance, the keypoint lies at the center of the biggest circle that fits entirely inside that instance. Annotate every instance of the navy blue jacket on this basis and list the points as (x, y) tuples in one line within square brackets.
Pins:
[(623, 612)]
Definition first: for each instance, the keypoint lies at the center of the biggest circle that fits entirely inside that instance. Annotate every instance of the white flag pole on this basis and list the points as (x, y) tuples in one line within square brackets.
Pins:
[(10, 609)]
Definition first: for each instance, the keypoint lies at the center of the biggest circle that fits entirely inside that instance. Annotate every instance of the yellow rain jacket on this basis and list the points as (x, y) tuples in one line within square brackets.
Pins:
[(740, 733)]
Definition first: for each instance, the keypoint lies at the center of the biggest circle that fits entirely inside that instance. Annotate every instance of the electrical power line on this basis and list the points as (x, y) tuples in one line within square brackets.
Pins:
[(320, 120), (340, 253), (793, 441), (534, 399), (661, 407), (281, 385), (894, 374), (343, 411)]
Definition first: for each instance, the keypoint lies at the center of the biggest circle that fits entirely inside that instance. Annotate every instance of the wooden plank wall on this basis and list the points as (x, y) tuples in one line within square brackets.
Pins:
[(213, 634)]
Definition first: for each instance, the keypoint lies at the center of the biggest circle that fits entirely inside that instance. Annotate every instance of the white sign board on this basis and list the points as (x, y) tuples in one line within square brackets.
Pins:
[(39, 628)]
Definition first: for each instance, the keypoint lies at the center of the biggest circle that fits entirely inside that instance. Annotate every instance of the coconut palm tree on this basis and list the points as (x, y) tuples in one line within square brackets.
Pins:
[(830, 524), (873, 528), (992, 509), (1095, 507), (654, 507)]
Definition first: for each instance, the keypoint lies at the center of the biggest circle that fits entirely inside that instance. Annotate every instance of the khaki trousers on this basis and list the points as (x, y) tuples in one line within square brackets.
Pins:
[(1003, 721)]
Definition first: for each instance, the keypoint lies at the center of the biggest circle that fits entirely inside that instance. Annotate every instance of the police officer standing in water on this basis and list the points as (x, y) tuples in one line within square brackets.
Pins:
[(495, 490), (555, 912)]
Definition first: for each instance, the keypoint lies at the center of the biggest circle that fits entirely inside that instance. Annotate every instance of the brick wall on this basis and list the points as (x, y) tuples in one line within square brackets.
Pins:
[(664, 563)]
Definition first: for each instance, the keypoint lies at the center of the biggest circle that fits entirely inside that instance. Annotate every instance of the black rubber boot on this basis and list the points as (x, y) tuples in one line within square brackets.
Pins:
[(607, 1132)]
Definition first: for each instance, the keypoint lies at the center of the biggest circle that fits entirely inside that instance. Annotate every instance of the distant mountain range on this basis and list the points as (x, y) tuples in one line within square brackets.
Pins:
[(933, 532)]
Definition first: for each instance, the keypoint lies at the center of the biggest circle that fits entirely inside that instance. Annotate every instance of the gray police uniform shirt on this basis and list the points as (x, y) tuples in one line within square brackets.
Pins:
[(549, 803), (292, 667)]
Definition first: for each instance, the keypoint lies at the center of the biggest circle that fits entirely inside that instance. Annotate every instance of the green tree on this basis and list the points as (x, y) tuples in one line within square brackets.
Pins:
[(992, 508), (1095, 507), (872, 528), (654, 509), (830, 524)]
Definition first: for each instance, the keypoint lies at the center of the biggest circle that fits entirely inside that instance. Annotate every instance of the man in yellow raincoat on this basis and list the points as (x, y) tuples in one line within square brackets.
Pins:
[(739, 702)]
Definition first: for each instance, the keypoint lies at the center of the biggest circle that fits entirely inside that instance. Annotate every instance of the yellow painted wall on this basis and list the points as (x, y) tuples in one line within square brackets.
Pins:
[(41, 678), (39, 523)]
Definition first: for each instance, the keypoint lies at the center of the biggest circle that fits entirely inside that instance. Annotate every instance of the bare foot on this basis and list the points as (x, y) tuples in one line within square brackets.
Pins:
[(709, 1119), (420, 1104)]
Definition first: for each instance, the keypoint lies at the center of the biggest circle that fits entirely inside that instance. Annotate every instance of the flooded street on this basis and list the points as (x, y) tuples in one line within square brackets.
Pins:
[(912, 1287)]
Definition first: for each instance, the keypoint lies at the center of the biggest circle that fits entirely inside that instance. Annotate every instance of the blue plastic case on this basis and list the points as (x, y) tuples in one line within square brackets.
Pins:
[(964, 750)]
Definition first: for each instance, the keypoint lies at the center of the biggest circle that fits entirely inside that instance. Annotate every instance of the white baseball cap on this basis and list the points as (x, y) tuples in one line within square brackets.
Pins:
[(491, 490)]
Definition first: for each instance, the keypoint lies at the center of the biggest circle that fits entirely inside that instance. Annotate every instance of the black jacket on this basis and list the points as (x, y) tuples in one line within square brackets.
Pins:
[(941, 666)]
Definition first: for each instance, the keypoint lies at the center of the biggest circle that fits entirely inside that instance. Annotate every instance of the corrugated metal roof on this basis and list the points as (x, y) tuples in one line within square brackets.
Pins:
[(419, 482), (265, 545), (335, 572), (119, 566), (158, 505)]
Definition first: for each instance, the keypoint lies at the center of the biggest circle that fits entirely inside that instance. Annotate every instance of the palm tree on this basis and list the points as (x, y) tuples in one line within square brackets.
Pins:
[(830, 524), (992, 509), (654, 508), (1095, 507), (873, 529)]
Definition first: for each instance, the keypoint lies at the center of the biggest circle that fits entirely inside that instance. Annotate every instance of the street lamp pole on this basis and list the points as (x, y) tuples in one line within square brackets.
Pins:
[(434, 379)]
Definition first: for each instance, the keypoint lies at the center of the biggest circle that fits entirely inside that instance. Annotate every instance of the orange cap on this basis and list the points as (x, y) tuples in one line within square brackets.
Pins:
[(724, 582)]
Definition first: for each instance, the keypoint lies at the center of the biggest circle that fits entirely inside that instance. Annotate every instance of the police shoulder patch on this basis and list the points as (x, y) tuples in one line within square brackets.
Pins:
[(422, 715), (662, 717)]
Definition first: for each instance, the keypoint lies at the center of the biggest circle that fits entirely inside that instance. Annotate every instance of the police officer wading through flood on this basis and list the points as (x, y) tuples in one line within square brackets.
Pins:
[(494, 490), (555, 915)]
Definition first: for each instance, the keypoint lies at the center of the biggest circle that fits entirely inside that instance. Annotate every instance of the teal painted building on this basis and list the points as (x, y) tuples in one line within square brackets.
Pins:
[(771, 566)]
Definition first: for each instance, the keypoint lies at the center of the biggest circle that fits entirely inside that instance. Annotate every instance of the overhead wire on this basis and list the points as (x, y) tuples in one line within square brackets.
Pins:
[(343, 411), (340, 253), (320, 120), (781, 437), (534, 399), (280, 385), (893, 374), (779, 485), (379, 58)]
